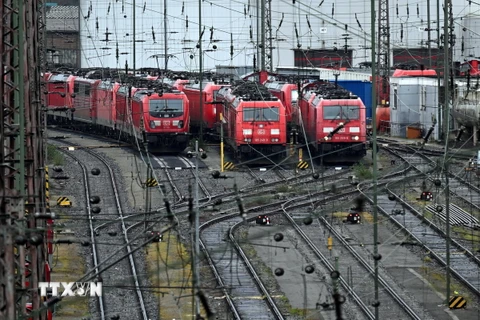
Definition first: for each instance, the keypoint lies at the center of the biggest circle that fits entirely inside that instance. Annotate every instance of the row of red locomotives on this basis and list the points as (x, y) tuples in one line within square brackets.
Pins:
[(143, 112)]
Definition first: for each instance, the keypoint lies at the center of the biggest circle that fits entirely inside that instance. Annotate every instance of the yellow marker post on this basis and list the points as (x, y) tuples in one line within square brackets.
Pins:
[(300, 155), (221, 142), (330, 243)]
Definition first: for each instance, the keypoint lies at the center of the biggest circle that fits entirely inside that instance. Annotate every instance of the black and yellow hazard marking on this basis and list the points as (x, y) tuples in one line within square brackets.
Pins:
[(228, 166), (457, 302), (64, 202), (302, 165), (47, 191), (151, 182)]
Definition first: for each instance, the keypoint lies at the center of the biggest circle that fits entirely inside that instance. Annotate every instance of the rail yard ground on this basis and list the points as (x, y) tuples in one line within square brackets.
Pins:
[(170, 275)]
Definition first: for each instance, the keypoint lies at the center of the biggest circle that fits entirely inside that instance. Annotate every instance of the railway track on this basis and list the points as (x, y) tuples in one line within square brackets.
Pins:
[(98, 191), (425, 233)]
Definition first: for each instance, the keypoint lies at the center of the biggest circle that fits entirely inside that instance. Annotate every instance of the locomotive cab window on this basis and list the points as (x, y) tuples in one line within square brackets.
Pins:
[(341, 112), (168, 108), (261, 114), (294, 96)]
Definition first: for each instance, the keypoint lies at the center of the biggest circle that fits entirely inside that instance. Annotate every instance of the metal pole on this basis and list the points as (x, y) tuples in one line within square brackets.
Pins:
[(446, 85), (221, 142), (374, 155), (165, 34), (262, 36), (197, 234), (134, 38), (429, 39), (147, 199), (201, 66)]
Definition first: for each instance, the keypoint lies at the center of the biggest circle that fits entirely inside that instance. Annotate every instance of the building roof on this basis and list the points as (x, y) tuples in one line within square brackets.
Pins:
[(63, 18)]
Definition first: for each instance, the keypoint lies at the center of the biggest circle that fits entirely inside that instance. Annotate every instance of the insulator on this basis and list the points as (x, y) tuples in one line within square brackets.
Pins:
[(251, 33), (108, 9), (183, 7), (333, 9), (296, 30), (281, 21), (358, 22), (321, 2), (186, 22), (396, 7), (308, 23), (408, 11), (418, 11), (245, 10), (153, 35), (96, 23), (401, 32), (211, 34)]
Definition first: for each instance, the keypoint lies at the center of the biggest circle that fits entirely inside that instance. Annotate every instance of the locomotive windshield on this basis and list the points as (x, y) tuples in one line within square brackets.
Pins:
[(341, 113), (294, 96), (168, 108), (261, 114)]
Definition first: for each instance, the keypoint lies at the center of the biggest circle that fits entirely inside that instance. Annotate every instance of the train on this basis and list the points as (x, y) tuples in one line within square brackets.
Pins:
[(334, 122), (206, 120), (144, 112), (255, 121)]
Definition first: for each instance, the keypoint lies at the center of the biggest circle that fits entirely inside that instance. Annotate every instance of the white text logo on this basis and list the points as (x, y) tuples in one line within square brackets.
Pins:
[(71, 289)]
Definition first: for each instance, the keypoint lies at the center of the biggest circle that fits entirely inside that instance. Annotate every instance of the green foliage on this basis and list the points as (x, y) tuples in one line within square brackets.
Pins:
[(54, 156), (362, 172), (282, 188)]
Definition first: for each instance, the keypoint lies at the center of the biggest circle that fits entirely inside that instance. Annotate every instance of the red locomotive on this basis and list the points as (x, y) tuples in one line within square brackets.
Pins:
[(150, 111), (334, 121), (210, 115), (58, 95), (288, 94), (255, 120)]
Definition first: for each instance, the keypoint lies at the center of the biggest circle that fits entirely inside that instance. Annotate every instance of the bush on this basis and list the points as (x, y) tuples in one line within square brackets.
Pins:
[(54, 156), (362, 172)]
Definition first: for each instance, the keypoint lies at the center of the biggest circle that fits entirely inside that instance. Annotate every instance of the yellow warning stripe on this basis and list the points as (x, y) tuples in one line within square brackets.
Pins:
[(302, 165), (47, 190), (457, 302), (151, 182), (228, 166)]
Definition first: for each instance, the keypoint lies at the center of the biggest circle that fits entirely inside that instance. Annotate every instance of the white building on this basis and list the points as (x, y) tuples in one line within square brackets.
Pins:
[(319, 24)]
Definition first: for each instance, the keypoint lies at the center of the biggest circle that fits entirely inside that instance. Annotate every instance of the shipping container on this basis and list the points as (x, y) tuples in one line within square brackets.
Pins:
[(363, 89)]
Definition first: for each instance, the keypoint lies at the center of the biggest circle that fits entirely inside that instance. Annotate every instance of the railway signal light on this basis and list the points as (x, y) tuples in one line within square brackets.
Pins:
[(157, 236)]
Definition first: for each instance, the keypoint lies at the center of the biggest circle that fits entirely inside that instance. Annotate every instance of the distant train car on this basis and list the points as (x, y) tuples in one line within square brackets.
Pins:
[(255, 120), (85, 100), (209, 116), (288, 94), (106, 106), (334, 122)]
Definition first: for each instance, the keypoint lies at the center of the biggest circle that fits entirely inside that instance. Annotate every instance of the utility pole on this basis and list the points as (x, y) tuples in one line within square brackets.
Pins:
[(200, 52), (196, 255), (165, 34), (21, 157), (447, 45), (134, 38), (374, 152), (383, 53)]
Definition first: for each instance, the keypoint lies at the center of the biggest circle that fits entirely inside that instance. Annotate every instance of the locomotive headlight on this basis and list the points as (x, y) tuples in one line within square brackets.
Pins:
[(247, 132), (356, 138), (274, 139), (152, 124), (275, 131), (180, 124), (327, 138)]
